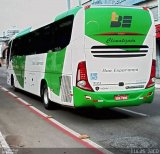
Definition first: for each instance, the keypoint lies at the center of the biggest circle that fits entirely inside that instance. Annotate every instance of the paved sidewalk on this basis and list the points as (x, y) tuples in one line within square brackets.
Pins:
[(23, 129)]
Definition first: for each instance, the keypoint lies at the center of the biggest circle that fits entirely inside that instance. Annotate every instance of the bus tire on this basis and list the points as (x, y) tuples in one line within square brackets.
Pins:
[(45, 99), (13, 83)]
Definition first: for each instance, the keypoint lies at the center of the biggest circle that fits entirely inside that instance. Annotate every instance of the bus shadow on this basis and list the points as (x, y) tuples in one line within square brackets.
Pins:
[(87, 112), (97, 114), (25, 94)]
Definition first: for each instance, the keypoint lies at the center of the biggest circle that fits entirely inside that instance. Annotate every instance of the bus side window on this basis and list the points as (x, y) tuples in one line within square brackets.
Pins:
[(63, 30), (44, 39)]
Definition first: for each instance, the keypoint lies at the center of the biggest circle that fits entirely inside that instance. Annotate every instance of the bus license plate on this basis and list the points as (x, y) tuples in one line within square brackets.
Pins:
[(121, 97)]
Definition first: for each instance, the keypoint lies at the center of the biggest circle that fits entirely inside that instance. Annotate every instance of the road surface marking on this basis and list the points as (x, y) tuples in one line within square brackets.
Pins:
[(4, 89), (130, 111), (5, 147), (69, 132), (77, 135), (40, 112), (24, 102), (12, 94)]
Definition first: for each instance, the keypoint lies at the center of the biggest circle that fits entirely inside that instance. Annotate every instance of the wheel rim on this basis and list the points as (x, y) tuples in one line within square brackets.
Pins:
[(45, 97)]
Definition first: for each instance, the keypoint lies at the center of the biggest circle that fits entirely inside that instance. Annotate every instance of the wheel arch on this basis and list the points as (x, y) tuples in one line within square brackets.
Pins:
[(43, 83)]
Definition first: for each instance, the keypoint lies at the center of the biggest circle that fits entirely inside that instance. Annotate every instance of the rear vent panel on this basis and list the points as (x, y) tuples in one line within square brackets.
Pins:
[(66, 89), (119, 51)]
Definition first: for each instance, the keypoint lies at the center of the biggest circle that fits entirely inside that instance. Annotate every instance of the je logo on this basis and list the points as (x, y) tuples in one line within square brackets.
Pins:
[(118, 21)]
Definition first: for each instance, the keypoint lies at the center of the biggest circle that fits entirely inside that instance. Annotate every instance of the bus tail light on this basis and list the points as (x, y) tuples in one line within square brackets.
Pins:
[(87, 7), (152, 75), (145, 8), (82, 79)]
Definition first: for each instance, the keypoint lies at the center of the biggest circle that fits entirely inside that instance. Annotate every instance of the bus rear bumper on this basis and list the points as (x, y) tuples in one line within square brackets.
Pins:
[(84, 98)]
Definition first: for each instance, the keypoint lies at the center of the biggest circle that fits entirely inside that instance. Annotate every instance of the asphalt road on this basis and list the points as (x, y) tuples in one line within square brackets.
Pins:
[(117, 129)]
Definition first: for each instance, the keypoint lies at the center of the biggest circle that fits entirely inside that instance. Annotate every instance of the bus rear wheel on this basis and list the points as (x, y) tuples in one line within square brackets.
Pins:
[(45, 99)]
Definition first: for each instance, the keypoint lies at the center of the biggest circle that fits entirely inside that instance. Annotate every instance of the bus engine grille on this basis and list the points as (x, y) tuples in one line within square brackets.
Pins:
[(119, 51), (66, 89)]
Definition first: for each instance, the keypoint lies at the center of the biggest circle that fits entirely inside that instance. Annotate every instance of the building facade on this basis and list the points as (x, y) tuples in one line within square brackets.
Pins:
[(4, 41)]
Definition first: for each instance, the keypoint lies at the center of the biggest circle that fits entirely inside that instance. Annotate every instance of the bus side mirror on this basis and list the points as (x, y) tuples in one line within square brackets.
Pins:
[(3, 56), (4, 53)]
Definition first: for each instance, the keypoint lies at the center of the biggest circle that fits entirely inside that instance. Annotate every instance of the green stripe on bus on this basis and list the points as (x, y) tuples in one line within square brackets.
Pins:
[(70, 12), (19, 67), (106, 99), (53, 70), (24, 32)]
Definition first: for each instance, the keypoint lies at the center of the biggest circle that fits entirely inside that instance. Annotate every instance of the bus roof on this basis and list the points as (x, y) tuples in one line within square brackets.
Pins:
[(72, 11)]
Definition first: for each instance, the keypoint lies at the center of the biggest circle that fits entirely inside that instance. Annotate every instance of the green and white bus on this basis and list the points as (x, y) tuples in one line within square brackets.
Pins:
[(93, 56)]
